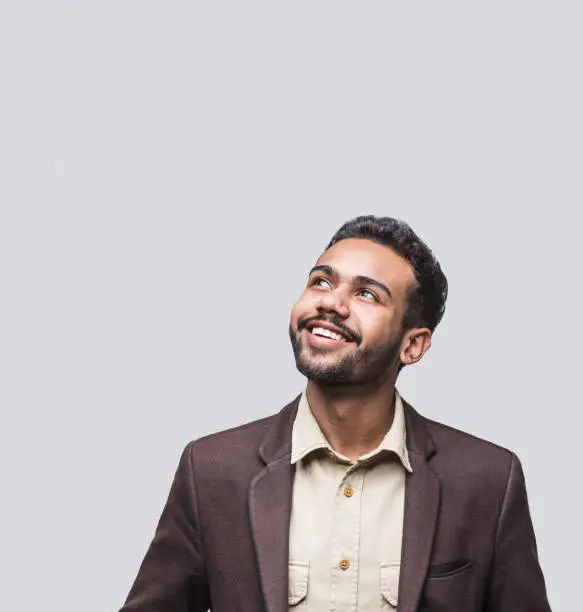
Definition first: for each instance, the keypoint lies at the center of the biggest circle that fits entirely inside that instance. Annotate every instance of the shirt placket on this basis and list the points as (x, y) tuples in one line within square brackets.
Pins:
[(345, 562)]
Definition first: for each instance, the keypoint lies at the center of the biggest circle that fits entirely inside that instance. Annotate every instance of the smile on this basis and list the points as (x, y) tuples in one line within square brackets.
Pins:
[(326, 333)]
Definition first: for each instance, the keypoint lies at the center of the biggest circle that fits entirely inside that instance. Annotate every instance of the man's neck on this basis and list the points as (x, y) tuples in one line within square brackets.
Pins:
[(354, 419)]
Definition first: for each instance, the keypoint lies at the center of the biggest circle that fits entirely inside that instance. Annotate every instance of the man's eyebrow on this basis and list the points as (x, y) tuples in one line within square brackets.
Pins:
[(363, 280), (325, 269), (366, 280)]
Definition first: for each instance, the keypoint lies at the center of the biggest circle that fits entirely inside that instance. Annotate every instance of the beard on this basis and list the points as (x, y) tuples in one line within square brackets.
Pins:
[(359, 367)]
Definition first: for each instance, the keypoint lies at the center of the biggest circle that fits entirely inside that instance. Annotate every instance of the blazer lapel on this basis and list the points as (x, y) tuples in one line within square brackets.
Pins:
[(270, 499), (422, 495)]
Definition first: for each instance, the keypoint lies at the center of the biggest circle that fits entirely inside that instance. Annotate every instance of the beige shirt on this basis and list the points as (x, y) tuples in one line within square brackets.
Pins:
[(346, 521)]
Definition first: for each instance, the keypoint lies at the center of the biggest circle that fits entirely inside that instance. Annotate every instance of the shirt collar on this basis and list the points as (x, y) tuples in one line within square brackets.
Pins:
[(308, 437)]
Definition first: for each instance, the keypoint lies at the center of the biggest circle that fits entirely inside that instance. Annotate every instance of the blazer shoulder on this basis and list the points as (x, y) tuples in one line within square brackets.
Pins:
[(234, 437), (242, 443), (455, 446), (246, 429), (230, 451), (442, 430), (249, 435)]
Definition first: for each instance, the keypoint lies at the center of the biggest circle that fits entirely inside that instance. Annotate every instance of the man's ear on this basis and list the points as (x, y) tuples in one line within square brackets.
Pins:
[(415, 344)]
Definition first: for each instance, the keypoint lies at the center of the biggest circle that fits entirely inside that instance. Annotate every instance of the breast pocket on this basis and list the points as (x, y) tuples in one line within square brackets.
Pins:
[(390, 586), (299, 573), (453, 585), (450, 568)]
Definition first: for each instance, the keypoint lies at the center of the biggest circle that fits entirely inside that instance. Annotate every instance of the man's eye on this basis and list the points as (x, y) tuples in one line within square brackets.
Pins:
[(369, 295), (320, 282)]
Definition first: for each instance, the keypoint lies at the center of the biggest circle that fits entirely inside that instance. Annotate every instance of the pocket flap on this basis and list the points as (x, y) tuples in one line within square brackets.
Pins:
[(298, 581), (390, 582), (450, 568)]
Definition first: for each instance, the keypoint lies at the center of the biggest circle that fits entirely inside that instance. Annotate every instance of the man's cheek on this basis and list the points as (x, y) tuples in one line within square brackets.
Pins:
[(298, 313)]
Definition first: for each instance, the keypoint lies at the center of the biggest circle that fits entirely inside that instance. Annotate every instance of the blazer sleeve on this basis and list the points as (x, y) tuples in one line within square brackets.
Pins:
[(516, 581), (171, 577)]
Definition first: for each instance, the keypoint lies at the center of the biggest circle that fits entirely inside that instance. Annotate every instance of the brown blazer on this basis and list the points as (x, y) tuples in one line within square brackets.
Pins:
[(222, 539)]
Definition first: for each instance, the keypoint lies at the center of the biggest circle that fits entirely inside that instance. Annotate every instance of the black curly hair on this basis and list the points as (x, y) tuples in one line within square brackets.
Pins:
[(426, 299)]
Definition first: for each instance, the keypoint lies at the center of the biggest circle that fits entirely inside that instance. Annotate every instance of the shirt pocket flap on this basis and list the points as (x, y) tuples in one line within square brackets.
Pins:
[(390, 582), (298, 581)]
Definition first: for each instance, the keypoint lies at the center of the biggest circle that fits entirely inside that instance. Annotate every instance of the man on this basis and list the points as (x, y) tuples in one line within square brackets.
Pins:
[(348, 499)]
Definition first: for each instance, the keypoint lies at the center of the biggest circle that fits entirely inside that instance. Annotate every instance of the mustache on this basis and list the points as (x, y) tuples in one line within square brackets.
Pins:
[(349, 333)]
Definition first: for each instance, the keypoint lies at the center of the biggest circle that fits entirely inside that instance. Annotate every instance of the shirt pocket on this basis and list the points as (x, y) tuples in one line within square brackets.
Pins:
[(299, 572), (390, 586)]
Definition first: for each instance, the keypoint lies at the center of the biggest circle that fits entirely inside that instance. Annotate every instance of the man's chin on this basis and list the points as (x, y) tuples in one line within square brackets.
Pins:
[(329, 371), (317, 357), (328, 378), (316, 364)]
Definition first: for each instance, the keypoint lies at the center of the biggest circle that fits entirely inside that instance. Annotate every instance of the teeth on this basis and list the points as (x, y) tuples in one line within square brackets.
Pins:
[(320, 331)]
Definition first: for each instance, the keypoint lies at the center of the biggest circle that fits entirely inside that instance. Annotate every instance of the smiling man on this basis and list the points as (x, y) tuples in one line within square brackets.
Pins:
[(348, 499)]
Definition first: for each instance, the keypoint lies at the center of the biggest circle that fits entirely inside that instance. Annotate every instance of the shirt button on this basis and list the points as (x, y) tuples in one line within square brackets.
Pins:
[(344, 564), (348, 491)]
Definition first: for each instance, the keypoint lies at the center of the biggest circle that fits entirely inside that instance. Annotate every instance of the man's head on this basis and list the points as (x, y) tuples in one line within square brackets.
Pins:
[(371, 305)]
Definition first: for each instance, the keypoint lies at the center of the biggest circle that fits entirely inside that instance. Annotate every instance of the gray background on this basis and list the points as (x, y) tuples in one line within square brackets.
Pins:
[(170, 171)]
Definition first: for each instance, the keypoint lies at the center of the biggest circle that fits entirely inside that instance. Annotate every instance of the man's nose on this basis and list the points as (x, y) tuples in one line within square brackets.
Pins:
[(334, 301)]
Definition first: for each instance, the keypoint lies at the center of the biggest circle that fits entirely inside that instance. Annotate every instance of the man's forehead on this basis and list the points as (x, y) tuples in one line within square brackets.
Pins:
[(360, 257)]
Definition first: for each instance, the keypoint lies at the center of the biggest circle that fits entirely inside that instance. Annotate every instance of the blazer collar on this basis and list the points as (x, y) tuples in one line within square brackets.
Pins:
[(277, 442), (418, 439)]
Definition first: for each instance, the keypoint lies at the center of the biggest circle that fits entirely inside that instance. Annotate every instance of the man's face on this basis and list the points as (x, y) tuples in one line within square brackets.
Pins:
[(346, 328)]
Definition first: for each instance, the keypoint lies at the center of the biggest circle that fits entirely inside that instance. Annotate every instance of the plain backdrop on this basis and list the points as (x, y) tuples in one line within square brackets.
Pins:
[(169, 171)]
